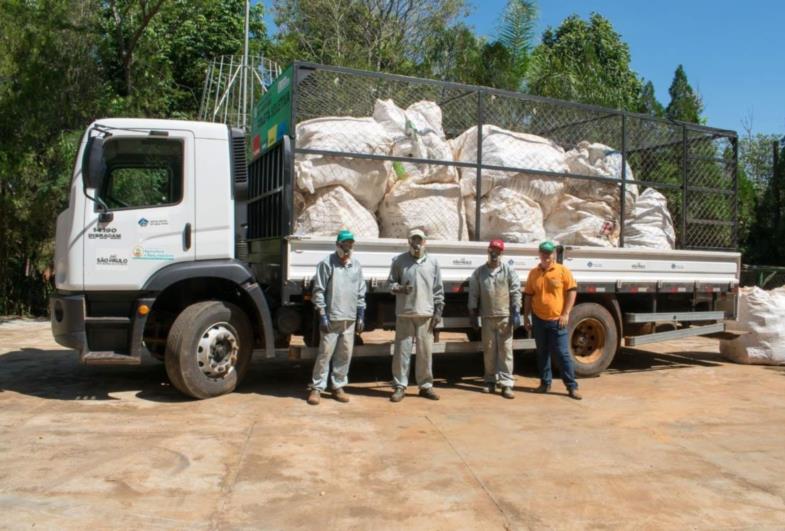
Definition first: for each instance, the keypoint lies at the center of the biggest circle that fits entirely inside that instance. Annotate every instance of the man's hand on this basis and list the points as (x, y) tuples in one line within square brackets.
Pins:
[(517, 320), (359, 324), (437, 317), (564, 320), (527, 322), (324, 323), (397, 288), (474, 318)]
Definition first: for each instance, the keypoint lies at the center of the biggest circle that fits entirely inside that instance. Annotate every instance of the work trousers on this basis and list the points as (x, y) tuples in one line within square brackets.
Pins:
[(497, 350), (552, 340), (335, 345), (407, 331)]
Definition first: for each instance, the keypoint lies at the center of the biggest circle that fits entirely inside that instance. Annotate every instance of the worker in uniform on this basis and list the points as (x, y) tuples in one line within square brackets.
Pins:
[(549, 297), (416, 281), (339, 297), (495, 295)]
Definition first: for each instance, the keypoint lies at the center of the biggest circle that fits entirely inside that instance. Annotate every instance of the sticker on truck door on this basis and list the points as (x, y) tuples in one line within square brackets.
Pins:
[(144, 253), (109, 260)]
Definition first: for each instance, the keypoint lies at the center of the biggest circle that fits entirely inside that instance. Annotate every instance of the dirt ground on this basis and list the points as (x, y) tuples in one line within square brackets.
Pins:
[(670, 437)]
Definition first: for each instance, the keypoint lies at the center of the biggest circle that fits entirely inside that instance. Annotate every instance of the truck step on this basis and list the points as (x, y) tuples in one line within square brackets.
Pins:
[(632, 341), (675, 316)]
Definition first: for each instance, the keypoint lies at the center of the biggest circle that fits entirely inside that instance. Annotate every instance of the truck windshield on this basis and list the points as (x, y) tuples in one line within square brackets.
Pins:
[(142, 172)]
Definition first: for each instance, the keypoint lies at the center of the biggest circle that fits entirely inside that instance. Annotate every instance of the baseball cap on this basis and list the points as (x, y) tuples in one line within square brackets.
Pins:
[(498, 244), (547, 246), (345, 235), (416, 232)]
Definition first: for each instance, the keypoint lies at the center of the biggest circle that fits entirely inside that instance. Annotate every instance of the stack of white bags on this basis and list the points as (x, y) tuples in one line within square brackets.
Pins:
[(387, 199)]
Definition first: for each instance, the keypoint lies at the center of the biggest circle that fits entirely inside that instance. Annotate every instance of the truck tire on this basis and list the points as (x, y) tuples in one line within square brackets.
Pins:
[(209, 348), (593, 338)]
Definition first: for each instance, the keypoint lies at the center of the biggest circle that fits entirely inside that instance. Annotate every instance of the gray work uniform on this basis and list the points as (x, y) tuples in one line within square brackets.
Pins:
[(339, 291), (414, 312), (494, 292)]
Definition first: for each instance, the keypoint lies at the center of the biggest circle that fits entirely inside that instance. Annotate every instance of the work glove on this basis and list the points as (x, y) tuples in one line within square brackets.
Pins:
[(437, 317), (397, 288), (359, 325), (324, 323), (517, 320), (474, 318)]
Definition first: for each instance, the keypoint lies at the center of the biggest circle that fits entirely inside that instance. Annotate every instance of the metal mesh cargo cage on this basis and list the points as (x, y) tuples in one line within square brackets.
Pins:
[(693, 166)]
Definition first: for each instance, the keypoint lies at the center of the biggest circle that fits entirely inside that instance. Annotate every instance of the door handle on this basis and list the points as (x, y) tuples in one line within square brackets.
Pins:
[(187, 236)]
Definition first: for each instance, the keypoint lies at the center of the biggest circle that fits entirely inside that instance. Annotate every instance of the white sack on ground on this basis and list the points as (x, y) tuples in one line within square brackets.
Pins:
[(762, 314), (599, 160), (417, 132), (514, 150), (367, 180), (579, 222), (435, 208), (650, 224), (331, 210), (507, 214)]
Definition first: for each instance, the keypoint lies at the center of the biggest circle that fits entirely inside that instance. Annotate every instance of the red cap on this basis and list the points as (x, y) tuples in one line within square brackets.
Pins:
[(499, 244)]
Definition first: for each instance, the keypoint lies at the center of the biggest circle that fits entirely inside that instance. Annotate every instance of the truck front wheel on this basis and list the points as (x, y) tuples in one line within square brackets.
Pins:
[(209, 348), (593, 338)]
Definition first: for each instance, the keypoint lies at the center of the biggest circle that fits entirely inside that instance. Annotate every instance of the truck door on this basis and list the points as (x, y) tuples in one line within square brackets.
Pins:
[(148, 187)]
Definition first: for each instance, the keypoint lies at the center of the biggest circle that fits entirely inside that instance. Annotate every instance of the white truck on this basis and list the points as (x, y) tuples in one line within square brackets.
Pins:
[(173, 246)]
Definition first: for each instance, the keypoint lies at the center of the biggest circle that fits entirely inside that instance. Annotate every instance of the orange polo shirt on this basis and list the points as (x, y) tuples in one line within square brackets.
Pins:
[(548, 289)]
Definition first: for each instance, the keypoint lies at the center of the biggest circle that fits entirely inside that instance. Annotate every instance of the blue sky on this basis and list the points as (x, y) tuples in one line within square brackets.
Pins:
[(733, 52)]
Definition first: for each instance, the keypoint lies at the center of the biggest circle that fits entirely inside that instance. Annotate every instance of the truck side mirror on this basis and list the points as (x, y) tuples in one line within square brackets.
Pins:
[(93, 164)]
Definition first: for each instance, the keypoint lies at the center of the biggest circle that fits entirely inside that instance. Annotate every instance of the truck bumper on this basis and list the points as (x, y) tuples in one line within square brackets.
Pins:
[(99, 339)]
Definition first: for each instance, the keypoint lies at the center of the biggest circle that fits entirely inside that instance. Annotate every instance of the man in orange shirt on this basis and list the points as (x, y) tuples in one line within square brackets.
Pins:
[(550, 295)]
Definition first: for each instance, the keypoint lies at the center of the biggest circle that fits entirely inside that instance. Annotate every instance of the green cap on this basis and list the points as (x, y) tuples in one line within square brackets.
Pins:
[(344, 235), (547, 246)]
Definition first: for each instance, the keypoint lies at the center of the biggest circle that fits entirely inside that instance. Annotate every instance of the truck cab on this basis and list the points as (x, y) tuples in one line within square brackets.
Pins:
[(149, 232)]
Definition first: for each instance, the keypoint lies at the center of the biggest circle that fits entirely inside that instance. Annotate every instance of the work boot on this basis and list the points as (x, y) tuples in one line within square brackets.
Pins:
[(489, 388), (398, 395), (507, 392), (340, 395), (574, 394), (543, 388), (429, 393), (314, 397)]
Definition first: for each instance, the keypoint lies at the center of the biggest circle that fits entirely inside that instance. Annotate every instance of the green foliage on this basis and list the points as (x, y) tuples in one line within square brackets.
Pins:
[(516, 34), (382, 35), (648, 103), (685, 105), (756, 158), (584, 61), (764, 244), (64, 63)]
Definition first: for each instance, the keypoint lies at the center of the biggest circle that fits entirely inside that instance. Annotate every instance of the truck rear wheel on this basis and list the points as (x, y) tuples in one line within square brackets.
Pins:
[(592, 338), (209, 348)]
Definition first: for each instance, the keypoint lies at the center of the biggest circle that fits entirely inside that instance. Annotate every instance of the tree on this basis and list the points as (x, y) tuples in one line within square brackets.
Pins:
[(685, 105), (382, 35), (584, 61), (516, 34), (764, 244), (648, 103), (60, 68)]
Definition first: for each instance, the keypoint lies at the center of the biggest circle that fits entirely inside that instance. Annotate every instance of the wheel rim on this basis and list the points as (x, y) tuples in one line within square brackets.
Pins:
[(217, 351), (588, 340)]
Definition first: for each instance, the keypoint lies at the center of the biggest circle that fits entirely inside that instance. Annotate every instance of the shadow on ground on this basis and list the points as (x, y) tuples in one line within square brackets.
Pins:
[(58, 375)]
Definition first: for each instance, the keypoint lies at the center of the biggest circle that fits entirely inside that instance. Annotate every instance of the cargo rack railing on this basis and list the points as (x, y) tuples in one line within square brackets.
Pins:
[(692, 165)]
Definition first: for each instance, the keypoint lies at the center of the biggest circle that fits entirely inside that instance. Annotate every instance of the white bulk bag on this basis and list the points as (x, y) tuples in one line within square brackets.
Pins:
[(762, 314), (435, 208), (513, 150), (601, 161), (506, 214), (417, 133), (331, 210), (367, 180), (650, 224), (576, 221)]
